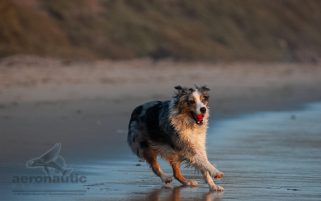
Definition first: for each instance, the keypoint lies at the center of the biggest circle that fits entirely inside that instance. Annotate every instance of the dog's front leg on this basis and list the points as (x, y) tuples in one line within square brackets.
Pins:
[(208, 170), (210, 182), (200, 161)]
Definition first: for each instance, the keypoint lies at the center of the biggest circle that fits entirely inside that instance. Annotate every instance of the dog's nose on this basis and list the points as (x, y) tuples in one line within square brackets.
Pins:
[(203, 110)]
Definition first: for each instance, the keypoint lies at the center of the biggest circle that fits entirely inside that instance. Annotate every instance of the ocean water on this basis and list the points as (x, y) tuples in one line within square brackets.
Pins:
[(272, 155)]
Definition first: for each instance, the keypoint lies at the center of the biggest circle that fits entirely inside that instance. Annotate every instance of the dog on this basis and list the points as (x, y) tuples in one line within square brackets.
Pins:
[(175, 130)]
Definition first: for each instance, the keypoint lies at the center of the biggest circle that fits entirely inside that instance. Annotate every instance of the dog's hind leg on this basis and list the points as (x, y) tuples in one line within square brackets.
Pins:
[(210, 182), (178, 175), (151, 157)]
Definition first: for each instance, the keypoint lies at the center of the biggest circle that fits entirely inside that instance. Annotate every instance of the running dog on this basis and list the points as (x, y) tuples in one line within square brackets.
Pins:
[(175, 130)]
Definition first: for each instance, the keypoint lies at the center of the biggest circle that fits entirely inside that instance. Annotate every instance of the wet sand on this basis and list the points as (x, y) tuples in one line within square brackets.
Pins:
[(266, 156)]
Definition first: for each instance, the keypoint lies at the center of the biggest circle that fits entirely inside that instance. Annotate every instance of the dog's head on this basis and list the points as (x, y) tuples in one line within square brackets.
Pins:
[(192, 102)]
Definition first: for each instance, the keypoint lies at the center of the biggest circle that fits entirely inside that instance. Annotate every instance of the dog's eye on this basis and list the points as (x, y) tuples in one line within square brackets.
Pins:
[(205, 98), (191, 102)]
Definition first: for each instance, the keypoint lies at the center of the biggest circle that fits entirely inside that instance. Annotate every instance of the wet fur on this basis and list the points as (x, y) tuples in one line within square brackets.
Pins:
[(169, 129)]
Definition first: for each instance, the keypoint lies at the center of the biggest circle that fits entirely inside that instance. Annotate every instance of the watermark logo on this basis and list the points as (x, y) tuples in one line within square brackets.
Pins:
[(56, 177), (50, 162)]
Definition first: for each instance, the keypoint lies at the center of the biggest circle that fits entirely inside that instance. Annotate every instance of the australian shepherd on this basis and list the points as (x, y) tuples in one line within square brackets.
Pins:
[(175, 130)]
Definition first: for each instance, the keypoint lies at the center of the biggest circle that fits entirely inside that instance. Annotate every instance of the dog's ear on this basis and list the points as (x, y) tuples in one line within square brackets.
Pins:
[(180, 90), (204, 88), (178, 87)]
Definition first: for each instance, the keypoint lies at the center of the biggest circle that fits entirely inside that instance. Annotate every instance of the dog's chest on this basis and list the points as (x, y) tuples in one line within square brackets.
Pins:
[(194, 138)]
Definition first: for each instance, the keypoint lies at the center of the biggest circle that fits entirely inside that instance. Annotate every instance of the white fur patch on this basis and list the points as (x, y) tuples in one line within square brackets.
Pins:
[(198, 102)]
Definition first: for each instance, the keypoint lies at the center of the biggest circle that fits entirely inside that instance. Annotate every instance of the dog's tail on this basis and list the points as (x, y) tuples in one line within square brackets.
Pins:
[(134, 132)]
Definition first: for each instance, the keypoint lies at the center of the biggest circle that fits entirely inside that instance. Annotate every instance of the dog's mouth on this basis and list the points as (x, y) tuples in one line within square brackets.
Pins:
[(198, 118)]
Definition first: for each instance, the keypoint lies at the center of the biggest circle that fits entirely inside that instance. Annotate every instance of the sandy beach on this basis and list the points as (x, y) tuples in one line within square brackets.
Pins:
[(263, 133)]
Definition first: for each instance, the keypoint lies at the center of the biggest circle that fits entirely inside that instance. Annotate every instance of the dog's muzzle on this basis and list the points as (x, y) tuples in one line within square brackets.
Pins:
[(198, 118)]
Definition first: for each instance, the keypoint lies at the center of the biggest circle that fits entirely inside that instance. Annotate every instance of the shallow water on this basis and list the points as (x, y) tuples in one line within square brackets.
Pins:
[(265, 156)]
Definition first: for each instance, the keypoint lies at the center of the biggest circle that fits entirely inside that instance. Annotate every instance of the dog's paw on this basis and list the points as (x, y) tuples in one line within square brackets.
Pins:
[(216, 188), (167, 179), (191, 183), (219, 175)]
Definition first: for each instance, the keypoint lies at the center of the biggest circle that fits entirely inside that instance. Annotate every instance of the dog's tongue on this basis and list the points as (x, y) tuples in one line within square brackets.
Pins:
[(200, 117)]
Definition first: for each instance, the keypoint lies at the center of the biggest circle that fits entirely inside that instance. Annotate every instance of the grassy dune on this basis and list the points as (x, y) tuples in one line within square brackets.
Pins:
[(216, 30)]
